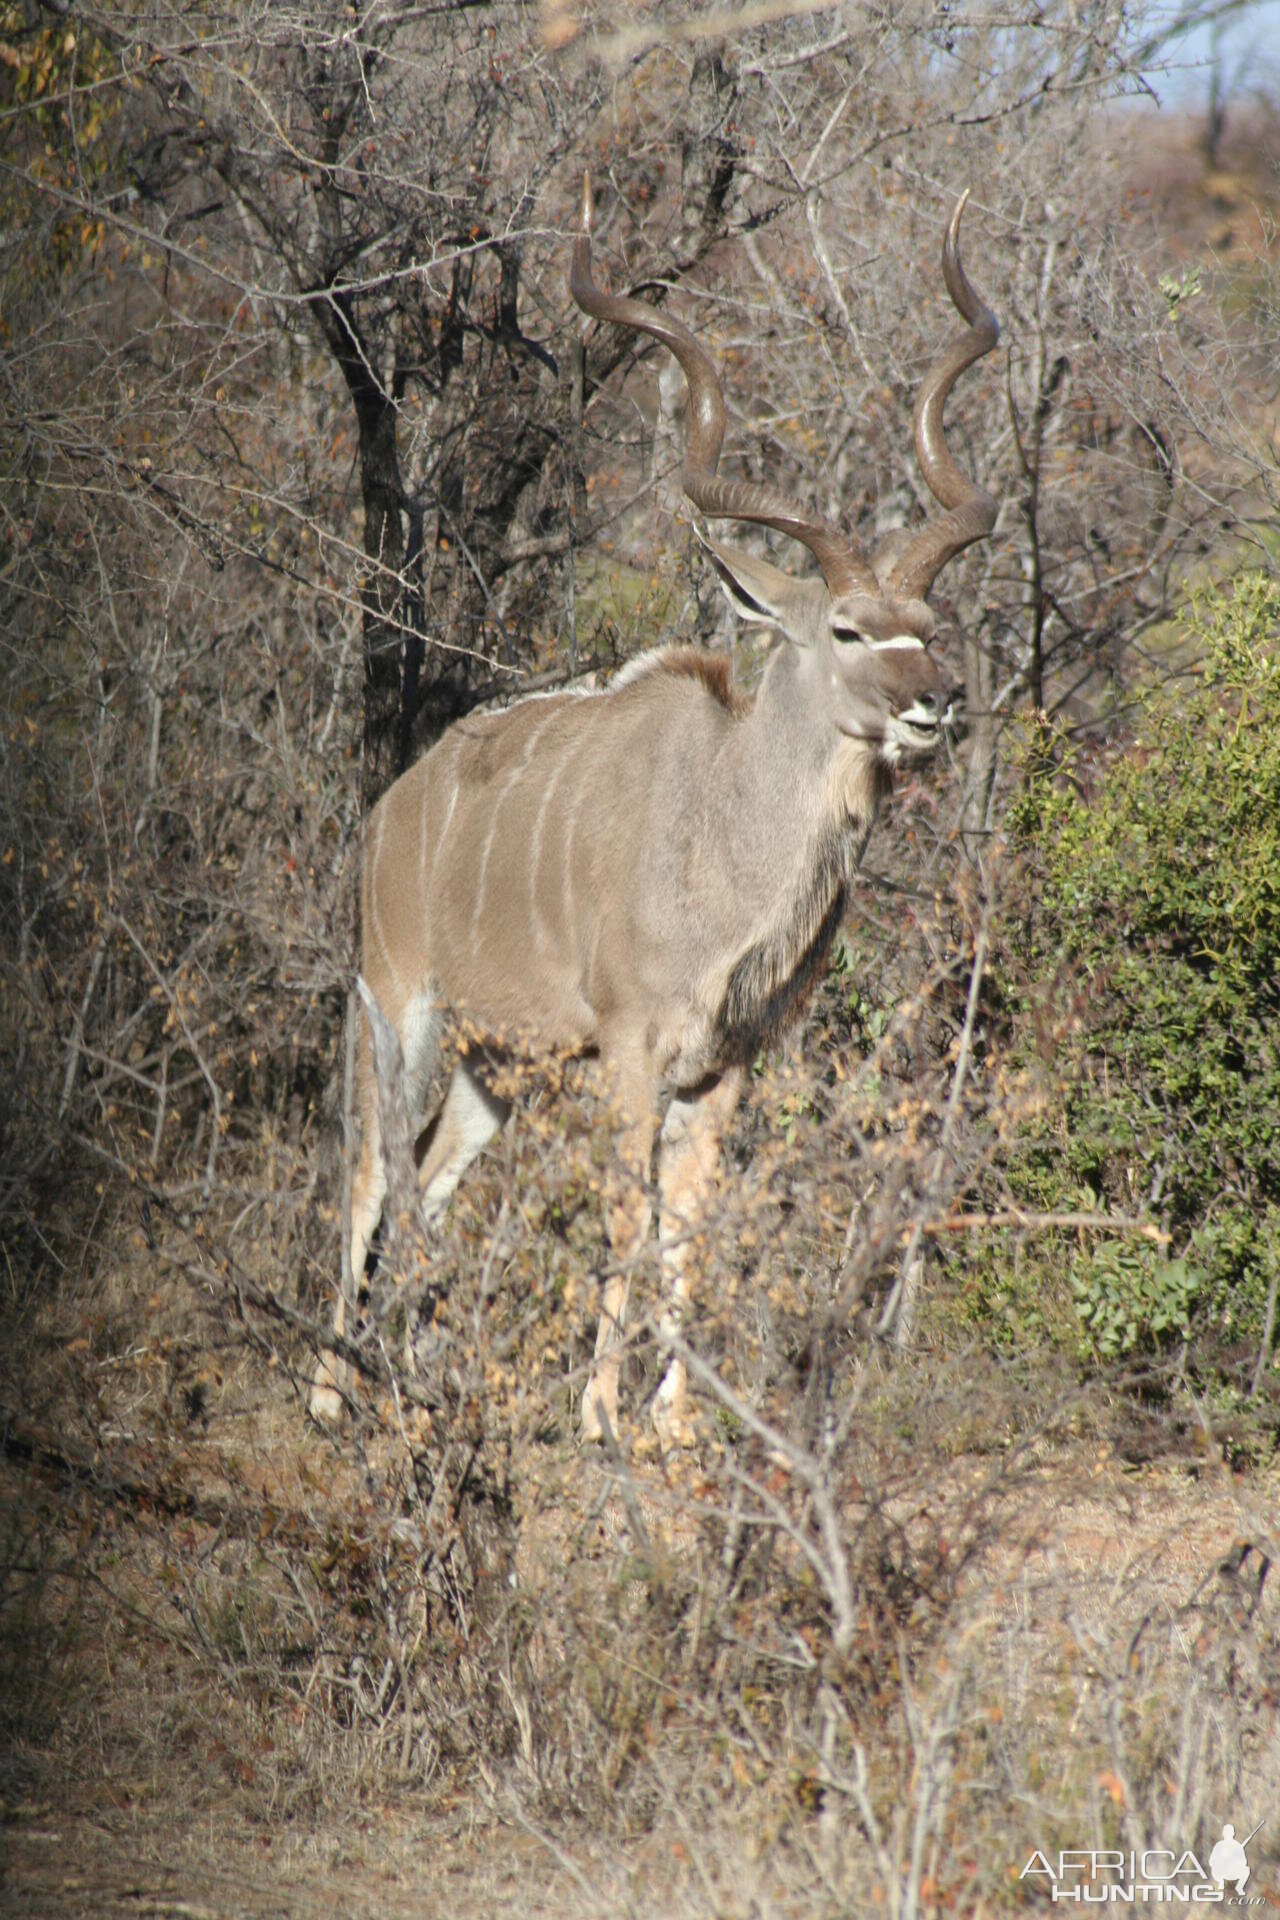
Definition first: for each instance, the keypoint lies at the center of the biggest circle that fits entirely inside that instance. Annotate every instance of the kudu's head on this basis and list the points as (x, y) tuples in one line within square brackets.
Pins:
[(864, 626)]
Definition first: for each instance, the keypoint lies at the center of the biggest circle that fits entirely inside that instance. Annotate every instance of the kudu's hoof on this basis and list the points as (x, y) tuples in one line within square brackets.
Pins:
[(325, 1403), (594, 1418), (673, 1425)]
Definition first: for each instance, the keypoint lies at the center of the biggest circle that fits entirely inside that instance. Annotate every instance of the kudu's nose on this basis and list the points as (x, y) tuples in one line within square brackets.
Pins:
[(934, 709)]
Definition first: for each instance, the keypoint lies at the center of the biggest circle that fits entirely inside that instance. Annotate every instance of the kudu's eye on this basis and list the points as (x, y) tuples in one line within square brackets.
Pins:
[(848, 636)]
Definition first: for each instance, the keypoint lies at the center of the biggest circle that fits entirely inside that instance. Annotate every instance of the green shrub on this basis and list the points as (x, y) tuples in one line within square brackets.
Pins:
[(1146, 964)]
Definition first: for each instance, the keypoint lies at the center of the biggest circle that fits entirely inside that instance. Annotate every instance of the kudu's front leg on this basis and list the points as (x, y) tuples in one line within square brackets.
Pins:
[(628, 1216), (689, 1164)]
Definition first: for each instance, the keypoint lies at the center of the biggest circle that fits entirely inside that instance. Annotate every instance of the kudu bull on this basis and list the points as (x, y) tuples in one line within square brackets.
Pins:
[(654, 873)]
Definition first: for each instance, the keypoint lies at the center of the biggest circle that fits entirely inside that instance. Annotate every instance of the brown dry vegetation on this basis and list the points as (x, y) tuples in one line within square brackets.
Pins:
[(932, 1590)]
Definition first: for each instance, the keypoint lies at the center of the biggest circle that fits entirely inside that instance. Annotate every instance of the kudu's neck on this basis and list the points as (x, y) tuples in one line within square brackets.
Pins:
[(797, 797), (791, 773)]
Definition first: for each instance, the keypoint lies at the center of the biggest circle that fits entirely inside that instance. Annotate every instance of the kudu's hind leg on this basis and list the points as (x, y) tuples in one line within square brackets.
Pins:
[(467, 1122), (688, 1183), (418, 1030)]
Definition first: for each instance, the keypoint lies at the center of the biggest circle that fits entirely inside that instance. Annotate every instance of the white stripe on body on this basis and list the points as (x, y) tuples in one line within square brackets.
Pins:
[(446, 822), (499, 798), (566, 888), (540, 933)]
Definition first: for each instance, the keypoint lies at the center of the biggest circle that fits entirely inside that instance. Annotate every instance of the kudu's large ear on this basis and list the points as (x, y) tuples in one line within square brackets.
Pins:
[(763, 594)]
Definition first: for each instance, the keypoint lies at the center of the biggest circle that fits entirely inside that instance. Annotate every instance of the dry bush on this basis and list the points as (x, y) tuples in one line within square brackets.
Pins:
[(854, 1649)]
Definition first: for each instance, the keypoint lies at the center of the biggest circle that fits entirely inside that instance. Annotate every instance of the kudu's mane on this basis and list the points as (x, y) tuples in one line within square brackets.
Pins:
[(771, 981), (711, 670)]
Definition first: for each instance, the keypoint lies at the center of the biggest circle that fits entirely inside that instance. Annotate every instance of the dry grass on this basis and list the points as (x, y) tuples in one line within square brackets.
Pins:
[(1095, 1662), (249, 1668)]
